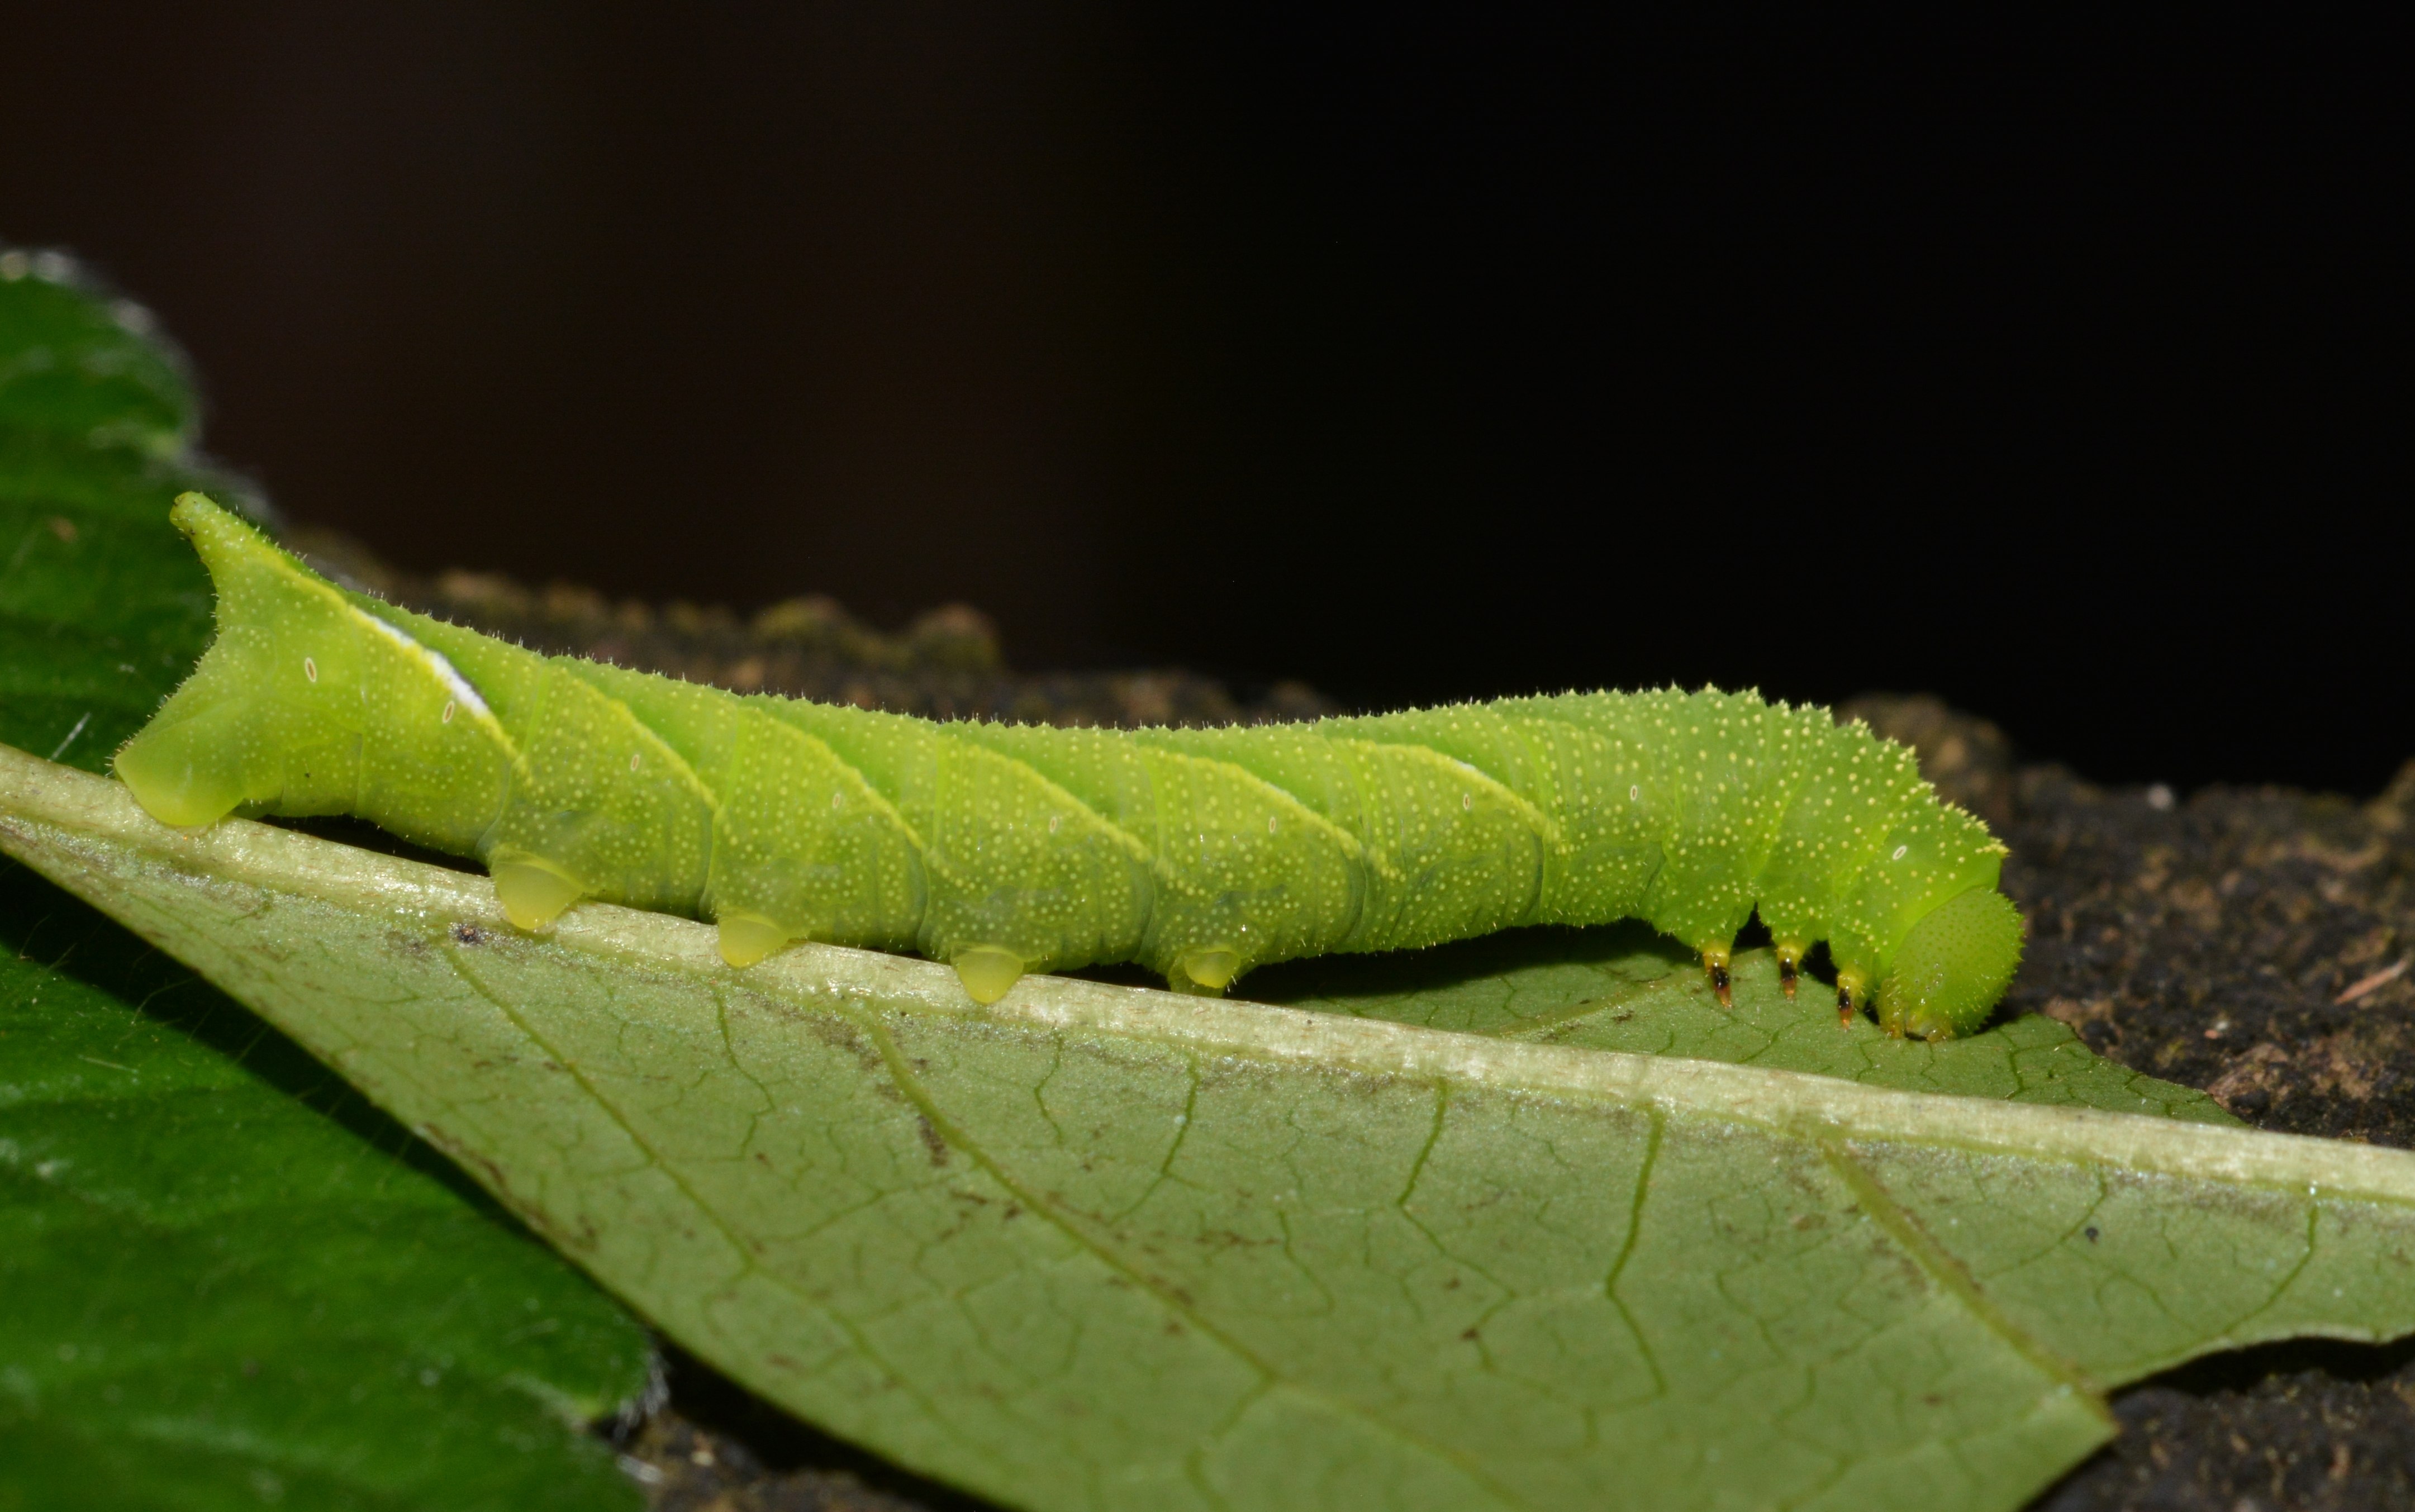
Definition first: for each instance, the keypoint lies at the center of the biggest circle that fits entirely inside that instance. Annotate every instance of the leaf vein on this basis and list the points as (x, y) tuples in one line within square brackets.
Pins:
[(920, 1096)]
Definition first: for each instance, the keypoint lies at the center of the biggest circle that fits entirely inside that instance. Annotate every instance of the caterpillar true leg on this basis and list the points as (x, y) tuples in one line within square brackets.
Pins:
[(1850, 991), (1790, 963), (1714, 962)]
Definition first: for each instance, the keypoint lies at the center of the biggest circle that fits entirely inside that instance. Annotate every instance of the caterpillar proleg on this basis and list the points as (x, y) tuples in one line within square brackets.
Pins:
[(1005, 849)]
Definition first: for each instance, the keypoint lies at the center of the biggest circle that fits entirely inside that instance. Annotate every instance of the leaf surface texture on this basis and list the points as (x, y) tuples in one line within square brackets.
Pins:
[(1099, 1246)]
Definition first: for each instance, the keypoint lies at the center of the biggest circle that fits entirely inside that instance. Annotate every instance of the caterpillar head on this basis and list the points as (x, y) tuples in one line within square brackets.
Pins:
[(1954, 966)]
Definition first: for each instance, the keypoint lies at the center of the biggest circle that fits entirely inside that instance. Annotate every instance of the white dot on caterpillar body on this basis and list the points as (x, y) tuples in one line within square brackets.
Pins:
[(448, 712), (309, 669)]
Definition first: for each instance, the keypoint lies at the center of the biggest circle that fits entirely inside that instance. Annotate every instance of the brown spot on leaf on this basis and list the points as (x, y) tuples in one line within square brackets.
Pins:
[(931, 1140)]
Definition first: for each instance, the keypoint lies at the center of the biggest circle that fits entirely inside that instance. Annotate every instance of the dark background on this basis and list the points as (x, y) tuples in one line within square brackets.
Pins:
[(2063, 372)]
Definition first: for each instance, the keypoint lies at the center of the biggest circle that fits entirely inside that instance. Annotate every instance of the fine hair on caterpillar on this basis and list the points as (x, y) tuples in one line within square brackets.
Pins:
[(1004, 849)]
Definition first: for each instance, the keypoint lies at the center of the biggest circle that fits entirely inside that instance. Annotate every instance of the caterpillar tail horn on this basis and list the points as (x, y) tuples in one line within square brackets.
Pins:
[(201, 757)]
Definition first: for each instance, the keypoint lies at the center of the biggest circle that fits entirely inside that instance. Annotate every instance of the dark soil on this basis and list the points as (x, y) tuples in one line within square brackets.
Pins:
[(2254, 942)]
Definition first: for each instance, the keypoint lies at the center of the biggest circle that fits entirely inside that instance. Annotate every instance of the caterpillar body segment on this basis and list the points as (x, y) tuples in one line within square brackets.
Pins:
[(1007, 848)]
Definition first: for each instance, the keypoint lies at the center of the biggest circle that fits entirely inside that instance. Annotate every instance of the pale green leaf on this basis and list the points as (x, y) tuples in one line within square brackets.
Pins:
[(1101, 1246)]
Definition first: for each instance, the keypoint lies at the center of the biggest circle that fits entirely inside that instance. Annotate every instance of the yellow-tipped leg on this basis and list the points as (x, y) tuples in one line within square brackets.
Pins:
[(533, 893), (1207, 968), (1852, 988), (1714, 962), (987, 971), (1790, 965), (746, 938)]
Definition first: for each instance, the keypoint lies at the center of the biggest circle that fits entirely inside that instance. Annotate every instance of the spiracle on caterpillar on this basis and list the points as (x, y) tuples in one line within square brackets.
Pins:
[(1005, 849)]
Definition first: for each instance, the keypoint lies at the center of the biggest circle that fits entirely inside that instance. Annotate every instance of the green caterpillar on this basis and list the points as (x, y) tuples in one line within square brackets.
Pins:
[(1007, 848)]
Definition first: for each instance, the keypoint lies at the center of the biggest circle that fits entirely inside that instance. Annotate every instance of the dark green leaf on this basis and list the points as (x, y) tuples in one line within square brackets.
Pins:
[(233, 1282), (102, 606), (76, 362)]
